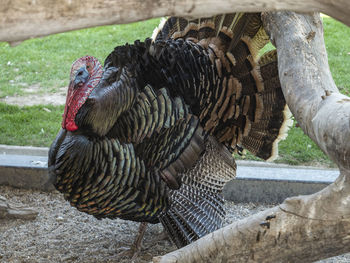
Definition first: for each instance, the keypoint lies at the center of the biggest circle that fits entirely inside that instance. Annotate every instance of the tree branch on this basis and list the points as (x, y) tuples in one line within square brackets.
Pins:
[(322, 112), (304, 228), (279, 234), (20, 20), (8, 211)]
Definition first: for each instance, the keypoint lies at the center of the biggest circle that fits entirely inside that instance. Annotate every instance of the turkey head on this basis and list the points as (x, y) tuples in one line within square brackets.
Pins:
[(85, 74)]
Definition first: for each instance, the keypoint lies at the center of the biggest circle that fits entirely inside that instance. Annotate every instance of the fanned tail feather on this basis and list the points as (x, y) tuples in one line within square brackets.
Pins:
[(251, 111), (274, 118)]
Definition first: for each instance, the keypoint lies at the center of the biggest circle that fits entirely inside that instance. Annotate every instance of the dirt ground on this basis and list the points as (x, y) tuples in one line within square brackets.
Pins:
[(60, 233), (34, 95)]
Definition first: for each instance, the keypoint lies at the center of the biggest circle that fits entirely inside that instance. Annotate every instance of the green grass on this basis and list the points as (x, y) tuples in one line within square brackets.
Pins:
[(300, 149), (46, 62), (36, 125), (337, 38)]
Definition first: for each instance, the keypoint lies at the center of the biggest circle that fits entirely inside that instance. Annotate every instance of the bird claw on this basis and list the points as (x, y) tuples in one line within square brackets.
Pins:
[(163, 236), (135, 248), (131, 252)]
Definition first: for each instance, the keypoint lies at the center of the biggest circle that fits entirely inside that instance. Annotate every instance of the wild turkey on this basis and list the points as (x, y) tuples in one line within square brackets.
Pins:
[(149, 137)]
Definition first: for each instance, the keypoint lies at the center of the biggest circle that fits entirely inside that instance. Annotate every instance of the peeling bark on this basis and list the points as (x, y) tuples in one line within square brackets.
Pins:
[(23, 19), (304, 228)]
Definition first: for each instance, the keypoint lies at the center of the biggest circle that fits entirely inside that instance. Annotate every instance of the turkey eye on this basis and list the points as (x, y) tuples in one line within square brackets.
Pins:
[(80, 73)]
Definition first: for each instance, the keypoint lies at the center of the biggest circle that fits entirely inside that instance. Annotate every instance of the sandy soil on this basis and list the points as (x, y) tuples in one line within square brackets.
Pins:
[(60, 233)]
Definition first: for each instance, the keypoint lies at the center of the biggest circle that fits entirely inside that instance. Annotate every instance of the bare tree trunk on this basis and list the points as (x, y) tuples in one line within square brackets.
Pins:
[(304, 228), (23, 19)]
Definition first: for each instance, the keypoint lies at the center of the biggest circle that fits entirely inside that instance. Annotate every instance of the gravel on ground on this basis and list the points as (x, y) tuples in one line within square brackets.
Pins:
[(60, 233)]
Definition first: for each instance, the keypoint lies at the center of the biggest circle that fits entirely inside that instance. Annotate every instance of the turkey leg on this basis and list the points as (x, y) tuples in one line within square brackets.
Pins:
[(135, 248)]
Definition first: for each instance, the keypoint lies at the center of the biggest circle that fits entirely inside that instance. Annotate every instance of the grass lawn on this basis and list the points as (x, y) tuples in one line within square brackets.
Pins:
[(36, 125), (46, 62)]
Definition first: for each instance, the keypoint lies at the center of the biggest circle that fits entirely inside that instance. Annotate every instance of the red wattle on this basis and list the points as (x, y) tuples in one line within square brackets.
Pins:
[(77, 95), (71, 126)]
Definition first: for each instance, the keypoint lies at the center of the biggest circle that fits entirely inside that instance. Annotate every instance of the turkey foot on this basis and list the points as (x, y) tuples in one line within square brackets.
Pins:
[(162, 236), (135, 248)]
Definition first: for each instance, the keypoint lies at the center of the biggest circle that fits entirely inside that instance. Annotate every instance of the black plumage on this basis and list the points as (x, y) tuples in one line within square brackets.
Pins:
[(149, 138)]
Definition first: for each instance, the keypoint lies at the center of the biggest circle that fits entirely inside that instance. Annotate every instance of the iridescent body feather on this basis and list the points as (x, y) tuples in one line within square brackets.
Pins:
[(152, 140)]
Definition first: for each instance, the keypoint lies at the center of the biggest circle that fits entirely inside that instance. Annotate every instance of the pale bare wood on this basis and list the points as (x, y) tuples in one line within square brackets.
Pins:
[(311, 94), (9, 211), (305, 228), (23, 19)]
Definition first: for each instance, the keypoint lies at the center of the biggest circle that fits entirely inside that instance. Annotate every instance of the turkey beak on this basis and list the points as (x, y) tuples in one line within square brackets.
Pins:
[(81, 77)]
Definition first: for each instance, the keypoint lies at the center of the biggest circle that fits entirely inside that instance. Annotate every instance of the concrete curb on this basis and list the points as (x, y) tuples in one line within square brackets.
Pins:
[(25, 171), (43, 151), (26, 167), (275, 184), (23, 150)]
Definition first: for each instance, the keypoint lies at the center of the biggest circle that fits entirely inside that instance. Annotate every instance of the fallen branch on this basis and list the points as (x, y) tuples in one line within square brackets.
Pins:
[(8, 211), (20, 20)]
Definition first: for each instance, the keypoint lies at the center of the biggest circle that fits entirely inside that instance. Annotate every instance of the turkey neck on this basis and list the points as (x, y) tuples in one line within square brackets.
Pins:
[(114, 95)]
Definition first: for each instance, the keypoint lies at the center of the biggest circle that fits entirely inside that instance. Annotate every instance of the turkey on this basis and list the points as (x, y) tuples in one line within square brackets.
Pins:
[(149, 137)]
